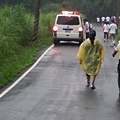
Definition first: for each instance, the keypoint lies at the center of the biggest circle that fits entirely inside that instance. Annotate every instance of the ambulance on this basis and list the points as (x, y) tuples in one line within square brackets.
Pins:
[(68, 26)]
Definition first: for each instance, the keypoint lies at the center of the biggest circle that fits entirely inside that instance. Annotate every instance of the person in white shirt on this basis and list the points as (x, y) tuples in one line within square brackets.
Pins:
[(102, 19), (87, 28), (117, 50), (112, 28), (107, 19), (90, 25), (98, 20), (106, 27)]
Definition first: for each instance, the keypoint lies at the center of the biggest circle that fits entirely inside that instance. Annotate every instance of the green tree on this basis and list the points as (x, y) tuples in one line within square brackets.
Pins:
[(91, 8), (66, 5)]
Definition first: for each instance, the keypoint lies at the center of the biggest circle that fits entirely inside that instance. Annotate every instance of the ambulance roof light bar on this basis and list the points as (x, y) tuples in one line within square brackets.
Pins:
[(70, 12), (67, 12)]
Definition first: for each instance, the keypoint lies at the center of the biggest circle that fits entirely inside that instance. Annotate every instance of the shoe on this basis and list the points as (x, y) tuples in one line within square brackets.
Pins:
[(92, 87), (88, 83), (114, 43), (104, 40)]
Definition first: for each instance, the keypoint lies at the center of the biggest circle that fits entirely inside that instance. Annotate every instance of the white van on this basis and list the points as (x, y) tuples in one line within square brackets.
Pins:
[(68, 26)]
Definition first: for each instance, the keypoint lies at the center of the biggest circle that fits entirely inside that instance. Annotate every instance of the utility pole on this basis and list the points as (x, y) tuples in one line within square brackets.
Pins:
[(36, 20), (117, 13)]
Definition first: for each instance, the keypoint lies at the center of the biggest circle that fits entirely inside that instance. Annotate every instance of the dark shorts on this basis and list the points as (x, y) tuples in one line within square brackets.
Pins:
[(112, 36), (106, 35)]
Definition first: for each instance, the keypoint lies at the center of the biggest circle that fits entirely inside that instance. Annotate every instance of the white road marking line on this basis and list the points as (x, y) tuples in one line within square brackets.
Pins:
[(20, 78)]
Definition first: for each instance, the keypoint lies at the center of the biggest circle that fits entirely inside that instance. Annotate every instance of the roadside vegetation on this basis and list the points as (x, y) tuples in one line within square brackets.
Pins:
[(118, 36), (17, 50)]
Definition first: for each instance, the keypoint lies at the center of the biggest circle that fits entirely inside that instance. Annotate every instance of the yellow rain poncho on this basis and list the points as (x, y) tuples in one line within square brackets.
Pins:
[(90, 56)]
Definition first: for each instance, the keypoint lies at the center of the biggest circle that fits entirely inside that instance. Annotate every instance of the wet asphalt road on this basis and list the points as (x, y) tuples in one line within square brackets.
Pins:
[(56, 90)]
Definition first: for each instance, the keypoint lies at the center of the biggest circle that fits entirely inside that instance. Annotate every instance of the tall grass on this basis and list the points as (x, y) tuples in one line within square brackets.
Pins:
[(16, 49), (16, 30), (118, 37), (16, 22), (46, 24)]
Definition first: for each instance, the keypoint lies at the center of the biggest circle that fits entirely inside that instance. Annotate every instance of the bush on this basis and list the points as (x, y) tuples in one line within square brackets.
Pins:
[(16, 50), (16, 29), (46, 24), (118, 37), (16, 23)]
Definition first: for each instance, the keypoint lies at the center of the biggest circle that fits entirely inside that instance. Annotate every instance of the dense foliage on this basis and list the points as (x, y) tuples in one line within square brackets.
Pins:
[(17, 20), (91, 8), (17, 50)]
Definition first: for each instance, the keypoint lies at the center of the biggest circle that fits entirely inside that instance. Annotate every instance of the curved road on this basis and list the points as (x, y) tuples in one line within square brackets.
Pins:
[(56, 90)]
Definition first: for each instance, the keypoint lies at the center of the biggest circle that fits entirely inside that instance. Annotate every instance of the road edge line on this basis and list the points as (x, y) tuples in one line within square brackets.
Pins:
[(23, 75)]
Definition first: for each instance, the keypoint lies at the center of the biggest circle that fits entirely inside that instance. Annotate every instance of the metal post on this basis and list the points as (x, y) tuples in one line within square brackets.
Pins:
[(36, 20)]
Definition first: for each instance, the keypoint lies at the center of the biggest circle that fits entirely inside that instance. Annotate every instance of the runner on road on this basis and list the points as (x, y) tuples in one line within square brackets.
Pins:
[(113, 28), (98, 20), (103, 19), (108, 19), (106, 27)]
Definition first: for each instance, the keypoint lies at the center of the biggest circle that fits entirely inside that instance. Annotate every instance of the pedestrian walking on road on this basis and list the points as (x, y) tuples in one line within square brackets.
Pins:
[(87, 28), (108, 19), (98, 21), (113, 28), (90, 54), (117, 50), (91, 26), (103, 19), (113, 18), (106, 27)]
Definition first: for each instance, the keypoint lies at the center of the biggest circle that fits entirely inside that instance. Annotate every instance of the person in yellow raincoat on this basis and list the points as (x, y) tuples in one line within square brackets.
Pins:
[(90, 55)]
